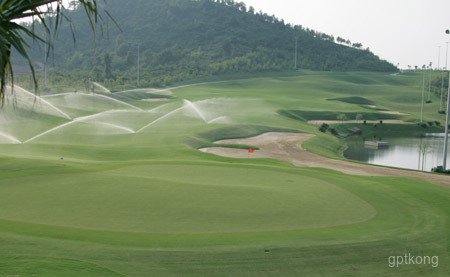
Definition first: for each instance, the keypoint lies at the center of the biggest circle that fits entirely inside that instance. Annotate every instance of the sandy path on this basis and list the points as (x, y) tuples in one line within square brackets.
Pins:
[(387, 121), (155, 99), (393, 112), (287, 147), (385, 111)]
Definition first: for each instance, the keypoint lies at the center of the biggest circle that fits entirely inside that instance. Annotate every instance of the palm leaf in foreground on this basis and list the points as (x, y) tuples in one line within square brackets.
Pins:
[(49, 13)]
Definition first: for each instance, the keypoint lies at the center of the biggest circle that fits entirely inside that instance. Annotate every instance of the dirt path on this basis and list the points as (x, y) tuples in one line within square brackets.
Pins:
[(387, 121), (287, 147)]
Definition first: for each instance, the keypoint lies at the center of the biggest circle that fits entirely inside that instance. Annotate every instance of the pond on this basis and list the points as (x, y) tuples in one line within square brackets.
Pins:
[(402, 152)]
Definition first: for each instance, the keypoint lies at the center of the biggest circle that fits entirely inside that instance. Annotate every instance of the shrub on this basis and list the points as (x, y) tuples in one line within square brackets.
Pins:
[(439, 169), (381, 121), (365, 121), (430, 123), (324, 127), (333, 131), (437, 123)]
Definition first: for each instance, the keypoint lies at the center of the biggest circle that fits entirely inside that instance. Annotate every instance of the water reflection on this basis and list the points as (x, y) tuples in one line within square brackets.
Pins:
[(412, 153)]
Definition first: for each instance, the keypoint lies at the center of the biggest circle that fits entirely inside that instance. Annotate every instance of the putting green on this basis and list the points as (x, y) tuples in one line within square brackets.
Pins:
[(181, 199)]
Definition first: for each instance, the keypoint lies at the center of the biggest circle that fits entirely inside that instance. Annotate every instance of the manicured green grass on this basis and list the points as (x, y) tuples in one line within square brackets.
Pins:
[(91, 199)]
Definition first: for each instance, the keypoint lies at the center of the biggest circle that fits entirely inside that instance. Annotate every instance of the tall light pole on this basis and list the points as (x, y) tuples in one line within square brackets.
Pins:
[(45, 62), (429, 88), (138, 64), (446, 121), (295, 55), (442, 81), (441, 108), (424, 68), (446, 128)]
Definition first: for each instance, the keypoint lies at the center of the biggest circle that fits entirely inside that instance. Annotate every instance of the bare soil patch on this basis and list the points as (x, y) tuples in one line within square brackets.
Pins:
[(287, 147)]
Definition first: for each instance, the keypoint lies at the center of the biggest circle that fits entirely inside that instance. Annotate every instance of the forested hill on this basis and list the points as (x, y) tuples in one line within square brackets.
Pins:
[(186, 39)]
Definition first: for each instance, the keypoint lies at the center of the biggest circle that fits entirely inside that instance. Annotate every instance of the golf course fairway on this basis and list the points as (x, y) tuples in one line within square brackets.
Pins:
[(113, 184)]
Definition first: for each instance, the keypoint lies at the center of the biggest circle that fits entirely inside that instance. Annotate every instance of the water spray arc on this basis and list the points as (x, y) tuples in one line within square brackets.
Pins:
[(14, 140), (81, 119), (44, 101), (159, 119), (101, 87), (196, 109), (118, 101)]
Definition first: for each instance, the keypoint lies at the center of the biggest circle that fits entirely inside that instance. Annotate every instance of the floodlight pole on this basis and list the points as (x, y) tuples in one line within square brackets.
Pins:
[(442, 81), (423, 94), (446, 55), (429, 89), (439, 57), (295, 61), (446, 128), (45, 63), (444, 164), (441, 108)]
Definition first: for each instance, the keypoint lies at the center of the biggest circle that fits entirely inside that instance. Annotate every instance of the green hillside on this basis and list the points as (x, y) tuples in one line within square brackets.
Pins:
[(182, 40)]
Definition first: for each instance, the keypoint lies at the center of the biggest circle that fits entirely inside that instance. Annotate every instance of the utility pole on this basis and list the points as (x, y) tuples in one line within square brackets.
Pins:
[(45, 62), (295, 55), (424, 68), (441, 108), (429, 88), (138, 65), (447, 119), (446, 127)]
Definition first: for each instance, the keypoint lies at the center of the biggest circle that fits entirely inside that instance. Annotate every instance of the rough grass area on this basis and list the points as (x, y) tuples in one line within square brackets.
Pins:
[(388, 130), (333, 115)]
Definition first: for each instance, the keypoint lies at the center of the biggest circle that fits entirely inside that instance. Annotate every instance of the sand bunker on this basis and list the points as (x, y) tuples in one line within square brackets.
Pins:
[(393, 112), (287, 147), (155, 99), (387, 121), (385, 111)]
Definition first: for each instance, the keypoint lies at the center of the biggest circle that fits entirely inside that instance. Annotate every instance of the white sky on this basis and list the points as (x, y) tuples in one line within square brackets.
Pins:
[(407, 32)]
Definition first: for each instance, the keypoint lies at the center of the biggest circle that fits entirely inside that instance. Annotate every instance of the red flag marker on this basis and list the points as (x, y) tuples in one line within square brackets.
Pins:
[(250, 150)]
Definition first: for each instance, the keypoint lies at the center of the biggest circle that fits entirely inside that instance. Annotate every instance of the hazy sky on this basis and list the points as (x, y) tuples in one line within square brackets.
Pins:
[(407, 32)]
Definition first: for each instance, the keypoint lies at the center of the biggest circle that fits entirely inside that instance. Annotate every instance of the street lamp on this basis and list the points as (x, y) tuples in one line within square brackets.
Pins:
[(446, 122)]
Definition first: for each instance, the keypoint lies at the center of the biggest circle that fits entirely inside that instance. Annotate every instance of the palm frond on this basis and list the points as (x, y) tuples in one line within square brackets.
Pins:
[(12, 35)]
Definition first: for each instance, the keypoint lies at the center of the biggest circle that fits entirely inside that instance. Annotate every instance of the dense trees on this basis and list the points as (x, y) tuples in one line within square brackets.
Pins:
[(182, 39)]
